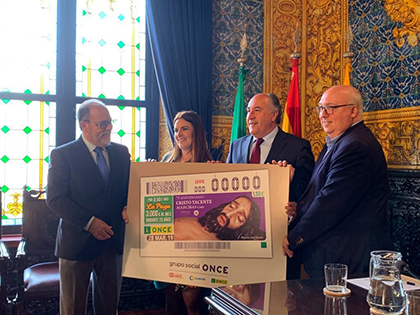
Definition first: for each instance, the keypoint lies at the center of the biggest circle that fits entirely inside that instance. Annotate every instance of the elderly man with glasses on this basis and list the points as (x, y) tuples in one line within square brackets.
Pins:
[(341, 216), (87, 189)]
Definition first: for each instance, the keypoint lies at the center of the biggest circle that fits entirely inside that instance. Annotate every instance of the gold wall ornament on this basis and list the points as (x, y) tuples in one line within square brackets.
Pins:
[(408, 13), (280, 19), (15, 207), (324, 59), (398, 131)]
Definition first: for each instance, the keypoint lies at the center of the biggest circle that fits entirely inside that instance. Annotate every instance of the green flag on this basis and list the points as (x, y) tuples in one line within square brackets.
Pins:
[(238, 122)]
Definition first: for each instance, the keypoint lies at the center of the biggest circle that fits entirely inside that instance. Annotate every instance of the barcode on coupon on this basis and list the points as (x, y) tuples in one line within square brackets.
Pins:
[(166, 187), (202, 245)]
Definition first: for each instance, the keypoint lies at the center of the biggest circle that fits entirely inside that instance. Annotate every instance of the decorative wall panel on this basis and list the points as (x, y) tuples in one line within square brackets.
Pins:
[(398, 131), (387, 73), (280, 24), (322, 26), (231, 19), (408, 13), (386, 67), (404, 215), (386, 70)]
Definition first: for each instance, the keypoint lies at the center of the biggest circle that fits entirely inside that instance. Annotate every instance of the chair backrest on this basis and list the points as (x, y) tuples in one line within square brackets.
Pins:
[(217, 153), (39, 224), (4, 259)]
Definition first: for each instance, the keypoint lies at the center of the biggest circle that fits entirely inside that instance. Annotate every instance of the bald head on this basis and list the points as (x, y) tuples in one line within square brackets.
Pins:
[(84, 110), (347, 106), (346, 94)]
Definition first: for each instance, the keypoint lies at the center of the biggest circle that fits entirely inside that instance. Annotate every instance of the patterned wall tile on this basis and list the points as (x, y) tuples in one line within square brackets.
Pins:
[(231, 19), (387, 74)]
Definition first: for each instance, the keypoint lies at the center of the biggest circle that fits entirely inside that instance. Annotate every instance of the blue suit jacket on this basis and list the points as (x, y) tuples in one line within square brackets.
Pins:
[(342, 213), (76, 192), (294, 150)]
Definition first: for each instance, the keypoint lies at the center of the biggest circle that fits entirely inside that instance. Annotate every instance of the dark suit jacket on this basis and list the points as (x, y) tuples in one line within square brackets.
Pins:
[(294, 150), (342, 213), (76, 192)]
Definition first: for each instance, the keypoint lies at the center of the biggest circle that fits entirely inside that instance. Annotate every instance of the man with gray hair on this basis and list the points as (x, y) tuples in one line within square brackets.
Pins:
[(268, 143), (341, 216), (87, 188)]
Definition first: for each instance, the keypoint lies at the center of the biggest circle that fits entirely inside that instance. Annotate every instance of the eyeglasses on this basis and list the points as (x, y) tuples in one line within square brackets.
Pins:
[(329, 108), (102, 124)]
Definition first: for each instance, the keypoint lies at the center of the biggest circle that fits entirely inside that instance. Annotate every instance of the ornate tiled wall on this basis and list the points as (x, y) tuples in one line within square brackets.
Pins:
[(386, 66), (386, 69), (387, 72), (231, 19)]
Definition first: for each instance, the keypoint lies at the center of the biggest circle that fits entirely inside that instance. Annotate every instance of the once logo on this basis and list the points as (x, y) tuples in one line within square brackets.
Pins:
[(216, 269), (162, 229)]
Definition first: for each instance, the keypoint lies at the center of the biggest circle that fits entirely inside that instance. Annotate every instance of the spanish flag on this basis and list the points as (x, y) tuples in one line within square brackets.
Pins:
[(291, 117)]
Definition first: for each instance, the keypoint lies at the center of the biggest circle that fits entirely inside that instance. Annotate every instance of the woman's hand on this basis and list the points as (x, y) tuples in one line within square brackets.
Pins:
[(124, 215), (291, 211)]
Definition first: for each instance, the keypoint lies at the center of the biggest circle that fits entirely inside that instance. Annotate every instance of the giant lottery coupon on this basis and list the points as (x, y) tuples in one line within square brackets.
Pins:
[(223, 214), (206, 224)]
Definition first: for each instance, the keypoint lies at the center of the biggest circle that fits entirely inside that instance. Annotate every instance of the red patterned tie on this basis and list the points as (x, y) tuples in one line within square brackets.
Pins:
[(256, 152)]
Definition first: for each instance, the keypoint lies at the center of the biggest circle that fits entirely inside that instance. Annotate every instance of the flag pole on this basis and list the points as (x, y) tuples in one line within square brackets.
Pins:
[(291, 116), (348, 55)]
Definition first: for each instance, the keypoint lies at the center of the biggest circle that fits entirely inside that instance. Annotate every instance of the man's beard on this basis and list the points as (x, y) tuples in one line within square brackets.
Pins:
[(213, 226)]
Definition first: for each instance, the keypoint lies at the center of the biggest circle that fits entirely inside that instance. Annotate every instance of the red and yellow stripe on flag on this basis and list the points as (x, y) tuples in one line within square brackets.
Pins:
[(291, 118)]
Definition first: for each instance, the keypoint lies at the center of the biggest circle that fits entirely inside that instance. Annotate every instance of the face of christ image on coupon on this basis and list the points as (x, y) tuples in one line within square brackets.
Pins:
[(238, 219)]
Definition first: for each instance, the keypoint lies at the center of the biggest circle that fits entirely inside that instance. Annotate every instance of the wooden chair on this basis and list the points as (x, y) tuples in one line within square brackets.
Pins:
[(37, 267), (217, 153), (4, 259)]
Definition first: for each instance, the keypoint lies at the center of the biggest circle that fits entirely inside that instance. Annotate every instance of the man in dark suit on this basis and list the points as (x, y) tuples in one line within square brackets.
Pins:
[(277, 147), (87, 188), (341, 216)]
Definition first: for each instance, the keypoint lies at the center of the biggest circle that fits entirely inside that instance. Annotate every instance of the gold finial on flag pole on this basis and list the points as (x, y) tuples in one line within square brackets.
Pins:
[(244, 44), (296, 39), (348, 37)]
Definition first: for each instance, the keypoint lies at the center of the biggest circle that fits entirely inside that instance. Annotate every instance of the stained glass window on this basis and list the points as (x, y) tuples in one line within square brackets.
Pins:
[(56, 54), (110, 49), (27, 134), (27, 54)]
